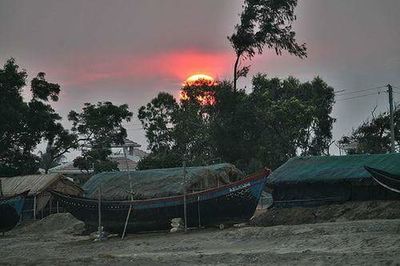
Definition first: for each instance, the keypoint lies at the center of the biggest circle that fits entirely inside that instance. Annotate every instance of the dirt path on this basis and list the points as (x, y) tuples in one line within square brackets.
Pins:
[(369, 242)]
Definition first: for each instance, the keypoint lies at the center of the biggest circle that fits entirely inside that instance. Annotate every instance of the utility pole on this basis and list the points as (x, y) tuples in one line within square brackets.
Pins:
[(390, 91)]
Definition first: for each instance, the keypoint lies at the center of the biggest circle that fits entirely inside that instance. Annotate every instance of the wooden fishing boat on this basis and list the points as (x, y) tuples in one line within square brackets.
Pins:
[(11, 211), (385, 179), (229, 204)]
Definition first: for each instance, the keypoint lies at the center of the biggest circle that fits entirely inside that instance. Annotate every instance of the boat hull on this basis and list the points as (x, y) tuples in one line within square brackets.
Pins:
[(11, 210), (385, 179), (233, 203)]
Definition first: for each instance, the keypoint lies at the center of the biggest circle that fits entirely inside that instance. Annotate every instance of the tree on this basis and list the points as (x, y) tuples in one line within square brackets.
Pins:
[(292, 118), (264, 23), (59, 142), (99, 126), (373, 135), (279, 119), (178, 131), (23, 125), (158, 119)]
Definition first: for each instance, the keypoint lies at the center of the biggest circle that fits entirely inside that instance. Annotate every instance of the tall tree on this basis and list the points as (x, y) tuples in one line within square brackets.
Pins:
[(178, 131), (264, 23), (23, 125), (158, 118), (99, 126)]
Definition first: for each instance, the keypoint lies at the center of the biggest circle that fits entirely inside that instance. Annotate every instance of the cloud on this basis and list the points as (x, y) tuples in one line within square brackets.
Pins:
[(175, 66)]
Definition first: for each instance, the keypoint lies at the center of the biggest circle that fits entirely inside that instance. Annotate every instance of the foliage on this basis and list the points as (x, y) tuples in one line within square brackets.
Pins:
[(158, 118), (23, 125), (264, 23), (59, 142), (292, 118), (165, 159), (373, 135), (99, 126), (279, 119)]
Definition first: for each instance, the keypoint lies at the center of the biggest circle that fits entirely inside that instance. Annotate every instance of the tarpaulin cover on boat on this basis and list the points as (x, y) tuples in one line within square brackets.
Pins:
[(317, 180), (159, 182), (312, 169)]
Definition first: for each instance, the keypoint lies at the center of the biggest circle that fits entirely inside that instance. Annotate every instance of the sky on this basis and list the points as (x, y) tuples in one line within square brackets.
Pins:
[(126, 51)]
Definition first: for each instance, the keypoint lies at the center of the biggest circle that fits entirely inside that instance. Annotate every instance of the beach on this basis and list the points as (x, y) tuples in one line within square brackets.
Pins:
[(366, 242)]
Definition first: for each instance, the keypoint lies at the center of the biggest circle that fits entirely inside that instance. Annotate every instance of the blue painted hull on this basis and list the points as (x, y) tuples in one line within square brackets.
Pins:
[(17, 202), (10, 211), (229, 204)]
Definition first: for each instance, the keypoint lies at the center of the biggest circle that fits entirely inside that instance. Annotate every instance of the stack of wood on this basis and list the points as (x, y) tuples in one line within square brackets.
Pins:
[(177, 225)]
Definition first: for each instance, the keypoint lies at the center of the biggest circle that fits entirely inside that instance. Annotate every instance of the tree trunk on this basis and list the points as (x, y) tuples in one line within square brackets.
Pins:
[(235, 72)]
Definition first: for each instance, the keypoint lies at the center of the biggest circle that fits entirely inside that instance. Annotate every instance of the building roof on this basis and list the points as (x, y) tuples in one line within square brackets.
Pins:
[(68, 168), (36, 184), (127, 143), (332, 168), (122, 163)]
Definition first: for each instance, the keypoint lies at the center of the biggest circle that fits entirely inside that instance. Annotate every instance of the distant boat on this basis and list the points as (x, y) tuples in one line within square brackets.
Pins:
[(228, 204), (11, 211), (387, 180)]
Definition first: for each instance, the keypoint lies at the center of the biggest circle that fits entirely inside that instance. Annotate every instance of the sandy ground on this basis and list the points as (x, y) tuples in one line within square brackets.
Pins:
[(367, 242)]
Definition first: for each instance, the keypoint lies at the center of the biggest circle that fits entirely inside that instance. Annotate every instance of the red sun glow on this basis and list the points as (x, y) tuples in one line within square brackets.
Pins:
[(197, 78), (208, 97)]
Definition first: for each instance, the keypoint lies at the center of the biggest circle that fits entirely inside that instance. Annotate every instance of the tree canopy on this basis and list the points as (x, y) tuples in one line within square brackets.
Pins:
[(24, 124), (264, 23), (373, 135), (277, 120), (99, 126)]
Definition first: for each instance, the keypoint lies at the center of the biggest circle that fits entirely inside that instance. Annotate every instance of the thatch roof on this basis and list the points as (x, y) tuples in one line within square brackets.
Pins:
[(36, 184), (332, 169), (160, 182)]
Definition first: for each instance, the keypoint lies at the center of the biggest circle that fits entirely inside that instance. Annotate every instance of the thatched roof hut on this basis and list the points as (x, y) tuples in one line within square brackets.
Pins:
[(39, 186)]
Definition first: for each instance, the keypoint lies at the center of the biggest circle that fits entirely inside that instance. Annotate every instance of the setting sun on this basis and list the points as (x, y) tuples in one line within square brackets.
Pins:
[(196, 78), (207, 97)]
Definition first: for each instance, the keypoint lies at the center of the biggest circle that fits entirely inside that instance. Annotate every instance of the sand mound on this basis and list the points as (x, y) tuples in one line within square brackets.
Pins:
[(60, 222), (348, 211)]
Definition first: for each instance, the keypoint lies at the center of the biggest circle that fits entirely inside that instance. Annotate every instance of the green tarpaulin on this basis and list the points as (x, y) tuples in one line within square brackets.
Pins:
[(332, 169), (159, 182)]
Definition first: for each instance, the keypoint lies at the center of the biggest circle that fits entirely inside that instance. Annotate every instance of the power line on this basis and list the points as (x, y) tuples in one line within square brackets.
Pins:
[(338, 93), (358, 96)]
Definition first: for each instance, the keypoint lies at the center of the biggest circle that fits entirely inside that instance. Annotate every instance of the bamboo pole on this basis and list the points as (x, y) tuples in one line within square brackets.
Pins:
[(131, 192), (1, 189), (184, 194), (99, 210), (126, 222), (198, 210), (99, 207), (34, 207)]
